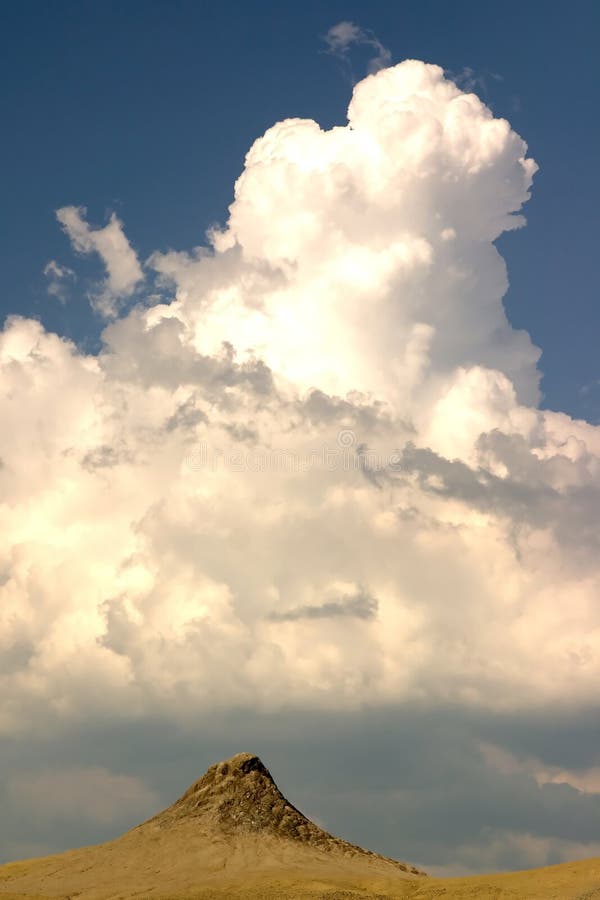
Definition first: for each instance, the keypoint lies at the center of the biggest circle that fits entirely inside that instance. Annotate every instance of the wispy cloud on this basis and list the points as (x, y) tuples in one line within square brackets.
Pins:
[(58, 276), (341, 38), (124, 272), (474, 81)]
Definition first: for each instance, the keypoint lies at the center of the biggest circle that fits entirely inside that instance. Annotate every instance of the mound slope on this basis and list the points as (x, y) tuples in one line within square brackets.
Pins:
[(238, 797)]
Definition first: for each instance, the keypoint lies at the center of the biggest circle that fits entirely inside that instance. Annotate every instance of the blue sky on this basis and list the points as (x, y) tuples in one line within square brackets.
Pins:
[(148, 108), (418, 583)]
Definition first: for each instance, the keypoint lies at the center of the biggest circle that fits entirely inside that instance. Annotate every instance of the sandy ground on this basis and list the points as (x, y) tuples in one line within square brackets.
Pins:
[(184, 862), (126, 869)]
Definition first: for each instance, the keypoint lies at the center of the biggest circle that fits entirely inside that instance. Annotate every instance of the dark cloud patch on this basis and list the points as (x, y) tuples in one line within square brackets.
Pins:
[(524, 496), (120, 630), (186, 416), (480, 488), (163, 356), (104, 457), (354, 606), (243, 434), (367, 465), (358, 411), (16, 655)]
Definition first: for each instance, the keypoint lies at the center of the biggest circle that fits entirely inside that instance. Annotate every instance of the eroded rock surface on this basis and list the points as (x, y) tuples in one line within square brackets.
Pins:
[(240, 795)]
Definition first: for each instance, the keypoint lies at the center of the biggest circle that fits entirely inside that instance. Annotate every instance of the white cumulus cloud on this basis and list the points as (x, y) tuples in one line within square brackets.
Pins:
[(318, 477)]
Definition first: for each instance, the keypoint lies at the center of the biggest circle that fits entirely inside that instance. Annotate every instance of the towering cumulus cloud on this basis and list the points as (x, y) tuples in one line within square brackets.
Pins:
[(318, 476)]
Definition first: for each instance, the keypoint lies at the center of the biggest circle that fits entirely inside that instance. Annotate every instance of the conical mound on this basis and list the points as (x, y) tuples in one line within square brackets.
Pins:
[(239, 795), (232, 834)]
